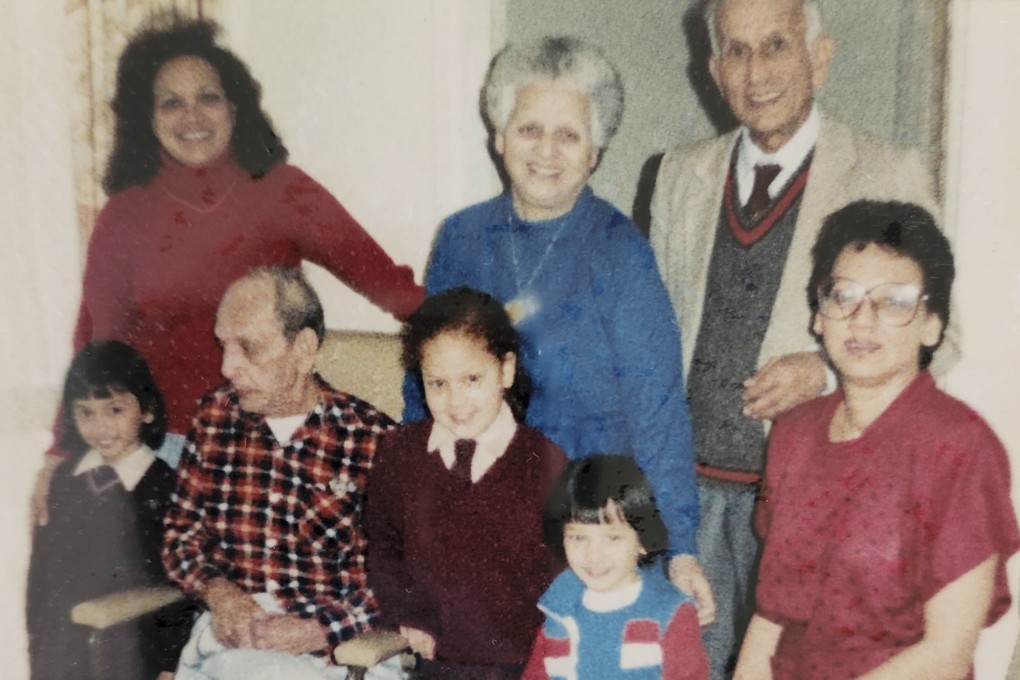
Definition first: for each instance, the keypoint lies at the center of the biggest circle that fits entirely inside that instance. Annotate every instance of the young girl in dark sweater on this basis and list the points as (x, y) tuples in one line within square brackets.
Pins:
[(105, 529), (454, 503)]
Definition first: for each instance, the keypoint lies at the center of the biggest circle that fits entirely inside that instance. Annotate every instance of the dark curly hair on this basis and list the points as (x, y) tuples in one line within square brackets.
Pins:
[(98, 371), (473, 313), (905, 229), (135, 158)]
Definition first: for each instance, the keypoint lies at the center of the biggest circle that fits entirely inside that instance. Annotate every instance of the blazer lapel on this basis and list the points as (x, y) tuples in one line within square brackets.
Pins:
[(832, 168)]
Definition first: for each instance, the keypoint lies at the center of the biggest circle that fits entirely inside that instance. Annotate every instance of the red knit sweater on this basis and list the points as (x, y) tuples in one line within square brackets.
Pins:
[(465, 563), (162, 255)]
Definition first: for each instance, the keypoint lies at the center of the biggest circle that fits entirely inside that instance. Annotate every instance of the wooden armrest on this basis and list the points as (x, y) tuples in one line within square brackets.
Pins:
[(370, 648), (102, 612)]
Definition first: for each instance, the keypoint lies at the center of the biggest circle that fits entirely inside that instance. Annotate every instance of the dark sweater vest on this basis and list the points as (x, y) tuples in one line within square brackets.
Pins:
[(743, 277), (464, 562)]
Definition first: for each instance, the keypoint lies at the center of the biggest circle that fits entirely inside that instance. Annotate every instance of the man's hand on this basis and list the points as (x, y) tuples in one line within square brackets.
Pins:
[(233, 612), (783, 383), (686, 574), (420, 641), (288, 634), (38, 511)]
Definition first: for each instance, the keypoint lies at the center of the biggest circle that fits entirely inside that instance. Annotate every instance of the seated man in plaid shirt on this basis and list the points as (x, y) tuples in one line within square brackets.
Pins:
[(265, 525)]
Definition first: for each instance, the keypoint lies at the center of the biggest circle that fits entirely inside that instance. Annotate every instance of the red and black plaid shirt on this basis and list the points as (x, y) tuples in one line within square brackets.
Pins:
[(279, 519)]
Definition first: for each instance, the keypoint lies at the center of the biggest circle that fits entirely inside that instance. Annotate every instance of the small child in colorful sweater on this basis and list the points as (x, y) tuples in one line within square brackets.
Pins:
[(612, 614)]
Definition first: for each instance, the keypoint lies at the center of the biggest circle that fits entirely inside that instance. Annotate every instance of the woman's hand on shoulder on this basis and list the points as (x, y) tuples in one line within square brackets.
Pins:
[(39, 504)]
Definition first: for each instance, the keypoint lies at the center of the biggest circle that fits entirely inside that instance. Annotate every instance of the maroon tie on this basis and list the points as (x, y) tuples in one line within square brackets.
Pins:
[(759, 201), (463, 452), (102, 478)]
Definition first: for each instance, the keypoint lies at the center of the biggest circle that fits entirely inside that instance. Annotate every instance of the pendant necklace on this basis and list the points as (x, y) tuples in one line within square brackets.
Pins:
[(526, 304)]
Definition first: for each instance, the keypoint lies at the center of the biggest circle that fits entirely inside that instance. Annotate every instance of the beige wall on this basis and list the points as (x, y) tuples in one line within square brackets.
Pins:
[(378, 102), (983, 176), (335, 74)]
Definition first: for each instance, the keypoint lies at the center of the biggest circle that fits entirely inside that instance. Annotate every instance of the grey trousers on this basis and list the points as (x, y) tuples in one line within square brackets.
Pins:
[(728, 550)]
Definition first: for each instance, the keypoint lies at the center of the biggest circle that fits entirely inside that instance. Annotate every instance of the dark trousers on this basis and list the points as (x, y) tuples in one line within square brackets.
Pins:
[(450, 671)]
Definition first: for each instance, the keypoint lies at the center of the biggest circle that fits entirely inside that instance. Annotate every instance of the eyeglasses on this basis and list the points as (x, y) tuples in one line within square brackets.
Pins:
[(895, 304)]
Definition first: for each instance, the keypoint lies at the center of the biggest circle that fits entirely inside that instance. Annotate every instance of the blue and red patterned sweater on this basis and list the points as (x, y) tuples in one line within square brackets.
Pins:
[(655, 636)]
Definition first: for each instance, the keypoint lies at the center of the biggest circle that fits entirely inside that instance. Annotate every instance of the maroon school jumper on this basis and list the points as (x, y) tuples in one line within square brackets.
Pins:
[(162, 255), (462, 561), (859, 535)]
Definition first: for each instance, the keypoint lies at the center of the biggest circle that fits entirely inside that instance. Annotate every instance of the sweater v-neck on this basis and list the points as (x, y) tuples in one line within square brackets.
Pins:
[(494, 471), (201, 189)]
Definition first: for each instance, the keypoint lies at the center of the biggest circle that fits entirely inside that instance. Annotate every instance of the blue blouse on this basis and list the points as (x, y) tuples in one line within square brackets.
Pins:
[(599, 337)]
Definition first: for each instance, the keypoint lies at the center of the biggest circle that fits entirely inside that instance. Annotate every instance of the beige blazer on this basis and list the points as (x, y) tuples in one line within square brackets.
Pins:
[(848, 165)]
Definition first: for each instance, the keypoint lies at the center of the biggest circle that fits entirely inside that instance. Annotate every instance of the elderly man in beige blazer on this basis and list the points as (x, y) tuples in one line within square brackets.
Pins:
[(733, 222)]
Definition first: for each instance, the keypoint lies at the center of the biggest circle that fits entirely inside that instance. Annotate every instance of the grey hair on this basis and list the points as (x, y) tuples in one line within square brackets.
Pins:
[(555, 58), (297, 305), (812, 22)]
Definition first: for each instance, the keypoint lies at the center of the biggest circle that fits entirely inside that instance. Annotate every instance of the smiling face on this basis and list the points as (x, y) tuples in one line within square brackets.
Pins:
[(270, 374), (547, 148), (191, 116), (110, 425), (464, 382), (866, 351), (605, 555), (765, 70)]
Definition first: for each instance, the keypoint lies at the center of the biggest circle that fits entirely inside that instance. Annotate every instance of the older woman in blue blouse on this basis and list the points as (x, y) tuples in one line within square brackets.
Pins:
[(600, 340)]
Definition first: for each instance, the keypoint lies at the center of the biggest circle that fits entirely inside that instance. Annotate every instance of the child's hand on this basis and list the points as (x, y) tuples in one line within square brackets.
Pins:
[(421, 643)]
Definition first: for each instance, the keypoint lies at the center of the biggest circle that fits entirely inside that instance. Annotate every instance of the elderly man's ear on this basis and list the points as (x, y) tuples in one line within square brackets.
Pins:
[(306, 347), (821, 51)]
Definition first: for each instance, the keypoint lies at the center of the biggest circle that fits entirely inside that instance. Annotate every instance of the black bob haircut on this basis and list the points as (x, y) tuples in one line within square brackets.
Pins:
[(135, 159), (100, 370), (583, 492), (475, 314), (905, 229)]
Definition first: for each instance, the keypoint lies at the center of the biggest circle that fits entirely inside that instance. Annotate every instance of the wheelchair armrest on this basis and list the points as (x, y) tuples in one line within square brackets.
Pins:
[(103, 612), (369, 649)]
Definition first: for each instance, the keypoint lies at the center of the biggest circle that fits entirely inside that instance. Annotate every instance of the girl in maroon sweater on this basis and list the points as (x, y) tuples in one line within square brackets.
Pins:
[(454, 509)]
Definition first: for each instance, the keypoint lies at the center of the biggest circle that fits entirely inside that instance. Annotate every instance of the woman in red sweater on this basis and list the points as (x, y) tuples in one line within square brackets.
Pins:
[(200, 194)]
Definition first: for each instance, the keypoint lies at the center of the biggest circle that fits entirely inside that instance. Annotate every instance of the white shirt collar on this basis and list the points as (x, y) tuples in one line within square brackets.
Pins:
[(489, 445), (789, 157), (131, 468), (624, 596)]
